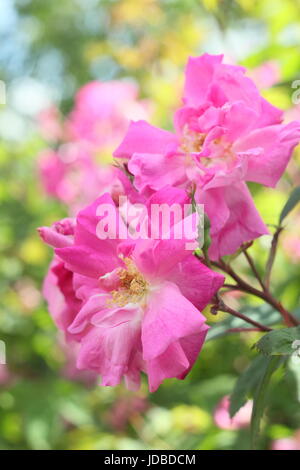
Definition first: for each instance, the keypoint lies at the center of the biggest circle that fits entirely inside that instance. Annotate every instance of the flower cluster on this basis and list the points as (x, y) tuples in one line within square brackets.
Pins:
[(225, 134), (135, 304)]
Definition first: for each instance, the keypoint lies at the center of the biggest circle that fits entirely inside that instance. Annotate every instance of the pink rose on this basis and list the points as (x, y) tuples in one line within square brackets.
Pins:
[(225, 134), (134, 305)]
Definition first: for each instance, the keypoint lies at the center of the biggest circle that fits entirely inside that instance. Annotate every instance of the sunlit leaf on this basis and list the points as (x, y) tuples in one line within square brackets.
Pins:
[(260, 398), (246, 383), (290, 204), (280, 342)]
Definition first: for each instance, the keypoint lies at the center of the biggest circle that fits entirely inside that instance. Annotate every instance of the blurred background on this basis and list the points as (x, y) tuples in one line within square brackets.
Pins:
[(48, 50)]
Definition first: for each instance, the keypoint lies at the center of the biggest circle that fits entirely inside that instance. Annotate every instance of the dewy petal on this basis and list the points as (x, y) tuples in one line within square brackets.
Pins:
[(276, 144), (169, 317), (144, 138)]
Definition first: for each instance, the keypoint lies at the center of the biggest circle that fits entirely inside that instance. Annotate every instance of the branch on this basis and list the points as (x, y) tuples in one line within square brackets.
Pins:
[(254, 270), (242, 285), (241, 330), (222, 307)]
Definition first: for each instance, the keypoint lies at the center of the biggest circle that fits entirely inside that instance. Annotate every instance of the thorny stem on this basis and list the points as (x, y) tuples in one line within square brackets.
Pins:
[(242, 330), (222, 307), (266, 295), (254, 270)]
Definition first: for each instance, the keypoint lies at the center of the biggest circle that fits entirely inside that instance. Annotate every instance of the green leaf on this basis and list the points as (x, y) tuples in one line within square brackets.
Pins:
[(262, 313), (260, 399), (246, 383), (290, 204), (293, 369), (279, 342)]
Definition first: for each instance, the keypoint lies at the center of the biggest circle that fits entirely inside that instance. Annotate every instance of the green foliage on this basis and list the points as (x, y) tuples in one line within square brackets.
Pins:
[(260, 398), (246, 384), (279, 342), (263, 313), (290, 204)]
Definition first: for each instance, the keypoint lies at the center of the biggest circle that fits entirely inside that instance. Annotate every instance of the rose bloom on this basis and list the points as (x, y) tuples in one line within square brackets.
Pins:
[(133, 305), (240, 420), (226, 133)]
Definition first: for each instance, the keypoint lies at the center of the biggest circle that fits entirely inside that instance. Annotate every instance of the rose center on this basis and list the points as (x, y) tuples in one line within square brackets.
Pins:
[(191, 141), (132, 287)]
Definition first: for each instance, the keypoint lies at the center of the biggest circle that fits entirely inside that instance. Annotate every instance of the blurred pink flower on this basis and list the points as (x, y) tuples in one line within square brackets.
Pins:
[(266, 75), (49, 121), (226, 134), (291, 246), (133, 304), (100, 117), (6, 376), (69, 369), (102, 112), (73, 177), (292, 113), (240, 420), (290, 239), (287, 443), (125, 410)]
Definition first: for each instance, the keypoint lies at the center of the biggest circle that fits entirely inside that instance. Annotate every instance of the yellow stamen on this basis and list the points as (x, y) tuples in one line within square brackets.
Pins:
[(191, 141), (132, 286)]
